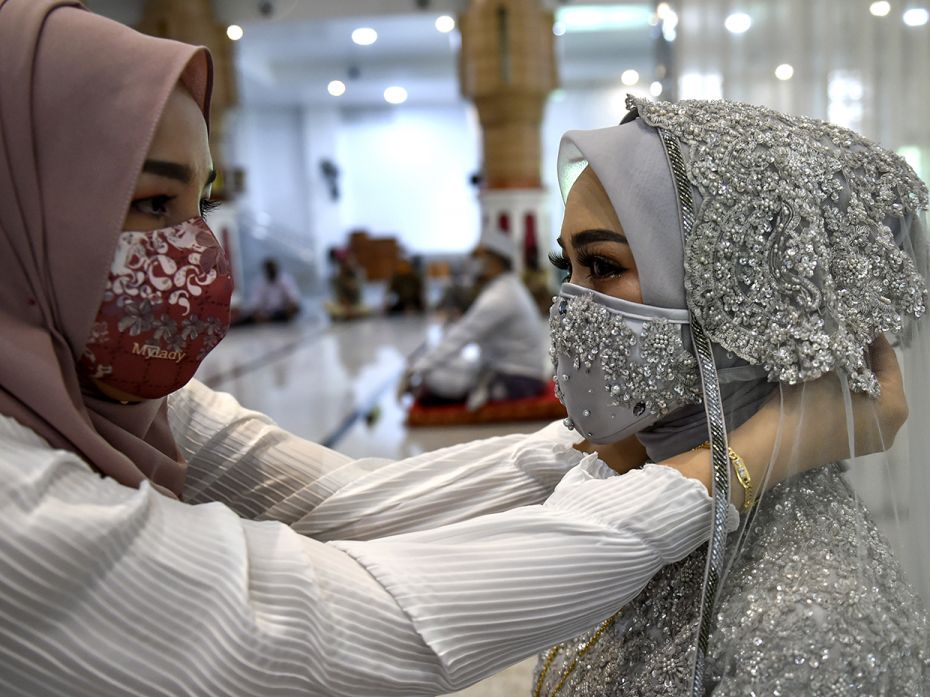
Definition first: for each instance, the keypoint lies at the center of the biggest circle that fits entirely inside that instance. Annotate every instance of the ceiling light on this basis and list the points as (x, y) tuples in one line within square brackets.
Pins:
[(558, 28), (395, 95), (655, 89), (445, 24), (880, 8), (738, 22), (337, 88), (364, 36), (234, 32), (784, 71), (629, 77), (916, 17)]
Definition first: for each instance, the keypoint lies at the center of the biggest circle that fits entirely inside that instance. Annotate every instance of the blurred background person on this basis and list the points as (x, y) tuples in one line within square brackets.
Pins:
[(346, 285), (405, 289), (503, 323), (459, 292), (274, 297)]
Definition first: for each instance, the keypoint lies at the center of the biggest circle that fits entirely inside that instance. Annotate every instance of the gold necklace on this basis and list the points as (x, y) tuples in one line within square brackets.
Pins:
[(553, 652)]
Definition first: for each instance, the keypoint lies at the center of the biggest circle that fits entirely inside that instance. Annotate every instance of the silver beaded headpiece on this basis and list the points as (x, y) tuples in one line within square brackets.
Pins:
[(792, 262)]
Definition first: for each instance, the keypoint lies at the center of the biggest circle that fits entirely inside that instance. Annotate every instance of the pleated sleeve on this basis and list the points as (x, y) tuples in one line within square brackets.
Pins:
[(107, 590), (240, 458)]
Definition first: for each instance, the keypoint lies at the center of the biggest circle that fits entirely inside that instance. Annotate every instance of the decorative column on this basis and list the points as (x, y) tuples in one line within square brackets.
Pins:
[(507, 68)]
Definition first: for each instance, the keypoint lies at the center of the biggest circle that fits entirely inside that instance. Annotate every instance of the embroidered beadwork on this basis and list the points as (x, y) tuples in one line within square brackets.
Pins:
[(792, 264), (589, 333), (815, 604)]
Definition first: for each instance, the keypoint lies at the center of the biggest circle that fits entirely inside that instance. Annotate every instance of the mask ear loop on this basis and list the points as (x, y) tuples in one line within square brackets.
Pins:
[(716, 427)]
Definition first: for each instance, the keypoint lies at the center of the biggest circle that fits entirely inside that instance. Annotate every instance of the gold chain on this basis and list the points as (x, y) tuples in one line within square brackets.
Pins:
[(553, 652), (742, 475)]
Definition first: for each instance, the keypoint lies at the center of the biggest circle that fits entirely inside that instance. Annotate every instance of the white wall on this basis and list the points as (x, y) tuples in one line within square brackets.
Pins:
[(321, 128), (406, 173), (403, 171), (269, 144)]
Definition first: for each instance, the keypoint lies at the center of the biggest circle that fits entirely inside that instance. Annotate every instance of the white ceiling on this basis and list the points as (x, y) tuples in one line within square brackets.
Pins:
[(289, 56)]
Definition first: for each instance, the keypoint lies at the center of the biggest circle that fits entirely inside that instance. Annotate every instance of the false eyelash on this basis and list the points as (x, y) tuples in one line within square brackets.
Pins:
[(208, 205), (588, 261), (559, 261)]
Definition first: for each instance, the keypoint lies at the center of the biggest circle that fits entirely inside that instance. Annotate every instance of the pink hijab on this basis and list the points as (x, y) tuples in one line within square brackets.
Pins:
[(80, 98)]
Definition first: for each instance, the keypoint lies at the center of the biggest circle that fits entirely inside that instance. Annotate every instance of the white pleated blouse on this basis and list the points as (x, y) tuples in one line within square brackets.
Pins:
[(292, 570)]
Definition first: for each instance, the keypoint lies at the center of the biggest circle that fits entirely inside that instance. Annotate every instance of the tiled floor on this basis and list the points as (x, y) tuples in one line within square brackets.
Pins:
[(335, 384)]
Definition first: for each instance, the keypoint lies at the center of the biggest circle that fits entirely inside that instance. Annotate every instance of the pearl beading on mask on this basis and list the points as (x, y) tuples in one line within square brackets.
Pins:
[(589, 333)]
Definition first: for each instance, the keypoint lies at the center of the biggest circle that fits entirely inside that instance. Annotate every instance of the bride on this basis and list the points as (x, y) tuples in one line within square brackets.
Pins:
[(718, 253)]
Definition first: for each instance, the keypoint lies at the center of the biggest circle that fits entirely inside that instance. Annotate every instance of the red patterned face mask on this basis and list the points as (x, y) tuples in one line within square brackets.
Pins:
[(166, 305)]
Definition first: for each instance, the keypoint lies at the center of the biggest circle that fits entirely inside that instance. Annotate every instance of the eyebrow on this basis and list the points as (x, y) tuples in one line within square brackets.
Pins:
[(587, 237), (174, 170)]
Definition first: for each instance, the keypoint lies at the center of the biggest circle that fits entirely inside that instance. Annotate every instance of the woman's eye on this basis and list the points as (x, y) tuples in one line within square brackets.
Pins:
[(601, 267), (155, 206), (563, 264)]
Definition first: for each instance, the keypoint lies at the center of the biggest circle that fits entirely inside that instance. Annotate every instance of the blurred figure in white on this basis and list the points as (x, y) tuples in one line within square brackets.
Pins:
[(274, 298), (503, 323)]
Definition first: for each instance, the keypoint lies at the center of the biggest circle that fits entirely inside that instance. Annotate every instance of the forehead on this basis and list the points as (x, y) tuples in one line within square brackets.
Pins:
[(588, 206), (181, 135)]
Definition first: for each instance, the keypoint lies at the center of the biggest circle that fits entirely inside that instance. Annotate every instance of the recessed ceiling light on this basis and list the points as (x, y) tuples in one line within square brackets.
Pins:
[(395, 95), (880, 8), (738, 22), (629, 77), (785, 71), (364, 36), (337, 88), (916, 17), (445, 24), (234, 32)]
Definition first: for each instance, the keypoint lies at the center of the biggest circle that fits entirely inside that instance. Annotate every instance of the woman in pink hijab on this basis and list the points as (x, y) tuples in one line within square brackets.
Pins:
[(160, 540)]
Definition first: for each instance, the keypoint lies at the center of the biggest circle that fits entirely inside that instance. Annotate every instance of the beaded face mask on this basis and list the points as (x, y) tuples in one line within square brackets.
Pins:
[(620, 366)]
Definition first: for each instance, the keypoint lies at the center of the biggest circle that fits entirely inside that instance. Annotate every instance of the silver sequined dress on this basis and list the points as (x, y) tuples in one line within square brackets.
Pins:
[(815, 604)]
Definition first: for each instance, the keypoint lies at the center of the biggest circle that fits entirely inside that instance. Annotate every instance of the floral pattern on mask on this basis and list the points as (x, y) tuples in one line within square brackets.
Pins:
[(164, 308), (791, 263), (664, 377)]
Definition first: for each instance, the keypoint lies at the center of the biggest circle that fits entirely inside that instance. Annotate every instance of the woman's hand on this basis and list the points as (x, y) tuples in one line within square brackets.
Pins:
[(804, 426), (621, 456)]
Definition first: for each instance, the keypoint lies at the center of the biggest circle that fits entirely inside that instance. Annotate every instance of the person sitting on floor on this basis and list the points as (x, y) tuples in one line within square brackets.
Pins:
[(505, 325), (405, 289), (346, 285), (274, 298)]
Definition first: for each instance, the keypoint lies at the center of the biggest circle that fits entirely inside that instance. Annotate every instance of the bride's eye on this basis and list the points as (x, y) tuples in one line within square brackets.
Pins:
[(155, 206), (561, 263), (600, 267)]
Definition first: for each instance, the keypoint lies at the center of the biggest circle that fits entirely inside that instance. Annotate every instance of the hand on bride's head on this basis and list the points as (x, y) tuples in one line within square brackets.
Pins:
[(876, 422), (892, 404)]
